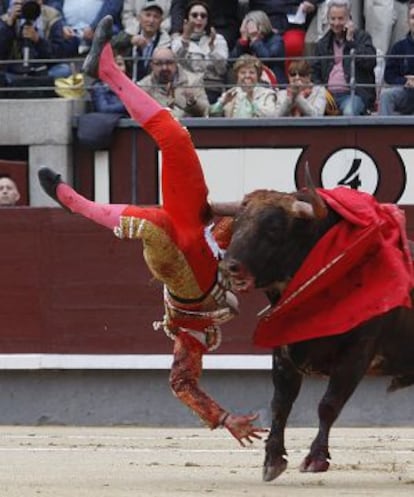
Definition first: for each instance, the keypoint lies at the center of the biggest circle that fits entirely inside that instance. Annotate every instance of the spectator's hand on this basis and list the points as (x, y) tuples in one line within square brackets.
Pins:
[(29, 33), (294, 90), (242, 428), (253, 32), (349, 30), (88, 33), (14, 12), (68, 32), (212, 39), (243, 31), (307, 7), (409, 81), (188, 28), (139, 41), (228, 96)]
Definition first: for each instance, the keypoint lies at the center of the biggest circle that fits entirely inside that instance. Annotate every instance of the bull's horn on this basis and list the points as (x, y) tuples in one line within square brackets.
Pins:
[(225, 208), (320, 210)]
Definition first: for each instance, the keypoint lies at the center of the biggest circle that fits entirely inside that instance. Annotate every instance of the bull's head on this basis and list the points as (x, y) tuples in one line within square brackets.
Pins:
[(272, 233)]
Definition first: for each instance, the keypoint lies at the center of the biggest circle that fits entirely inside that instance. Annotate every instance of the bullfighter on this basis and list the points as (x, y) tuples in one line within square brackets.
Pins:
[(179, 246)]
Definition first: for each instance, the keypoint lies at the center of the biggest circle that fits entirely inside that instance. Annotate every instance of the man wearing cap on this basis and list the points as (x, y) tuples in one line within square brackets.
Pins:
[(132, 8), (141, 43)]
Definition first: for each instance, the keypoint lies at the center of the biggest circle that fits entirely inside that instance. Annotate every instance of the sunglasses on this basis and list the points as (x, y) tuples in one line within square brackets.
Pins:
[(166, 62), (201, 15), (298, 73)]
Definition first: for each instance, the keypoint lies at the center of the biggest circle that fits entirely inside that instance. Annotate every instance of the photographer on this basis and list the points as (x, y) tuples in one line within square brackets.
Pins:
[(29, 31)]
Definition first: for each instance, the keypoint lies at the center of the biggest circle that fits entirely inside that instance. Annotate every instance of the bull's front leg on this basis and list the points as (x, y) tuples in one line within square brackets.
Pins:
[(286, 381)]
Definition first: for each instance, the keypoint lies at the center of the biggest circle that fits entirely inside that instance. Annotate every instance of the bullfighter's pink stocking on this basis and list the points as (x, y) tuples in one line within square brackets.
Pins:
[(141, 108), (105, 214), (139, 104)]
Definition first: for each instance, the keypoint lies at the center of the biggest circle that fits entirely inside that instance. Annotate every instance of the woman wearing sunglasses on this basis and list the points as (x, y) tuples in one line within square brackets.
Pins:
[(301, 97), (200, 49)]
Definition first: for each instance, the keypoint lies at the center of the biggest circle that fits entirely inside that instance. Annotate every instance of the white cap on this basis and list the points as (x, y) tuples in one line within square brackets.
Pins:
[(153, 4)]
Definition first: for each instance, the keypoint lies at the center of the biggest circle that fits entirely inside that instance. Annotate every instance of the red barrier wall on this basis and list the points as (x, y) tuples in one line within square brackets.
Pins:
[(69, 286)]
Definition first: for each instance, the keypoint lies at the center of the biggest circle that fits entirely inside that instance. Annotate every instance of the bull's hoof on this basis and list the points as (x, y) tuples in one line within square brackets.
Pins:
[(270, 472), (310, 465)]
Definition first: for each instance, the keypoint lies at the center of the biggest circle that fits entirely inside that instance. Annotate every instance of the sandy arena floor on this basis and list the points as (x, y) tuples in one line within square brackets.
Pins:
[(143, 462)]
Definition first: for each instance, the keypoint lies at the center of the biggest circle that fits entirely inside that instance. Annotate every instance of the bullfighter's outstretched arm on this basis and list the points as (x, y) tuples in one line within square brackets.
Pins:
[(177, 248)]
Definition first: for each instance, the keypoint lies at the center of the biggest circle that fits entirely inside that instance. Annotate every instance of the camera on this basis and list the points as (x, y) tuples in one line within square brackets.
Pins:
[(30, 10)]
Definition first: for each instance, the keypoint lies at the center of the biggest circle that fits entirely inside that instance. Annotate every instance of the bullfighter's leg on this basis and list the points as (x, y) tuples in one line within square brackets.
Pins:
[(351, 364), (105, 214), (183, 185), (287, 382)]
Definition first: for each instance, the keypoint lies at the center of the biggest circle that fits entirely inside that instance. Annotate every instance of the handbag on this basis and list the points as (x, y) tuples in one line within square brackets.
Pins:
[(95, 129)]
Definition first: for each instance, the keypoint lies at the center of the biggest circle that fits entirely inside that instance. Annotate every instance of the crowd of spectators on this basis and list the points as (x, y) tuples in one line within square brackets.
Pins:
[(233, 58)]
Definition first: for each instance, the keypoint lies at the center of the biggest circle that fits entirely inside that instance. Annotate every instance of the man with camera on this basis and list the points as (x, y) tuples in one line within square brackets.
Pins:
[(30, 31)]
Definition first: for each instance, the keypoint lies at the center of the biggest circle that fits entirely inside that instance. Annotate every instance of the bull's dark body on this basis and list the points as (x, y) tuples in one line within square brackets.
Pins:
[(270, 244)]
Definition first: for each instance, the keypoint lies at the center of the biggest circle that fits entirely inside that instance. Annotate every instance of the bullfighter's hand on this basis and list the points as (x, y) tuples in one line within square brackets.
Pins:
[(242, 428)]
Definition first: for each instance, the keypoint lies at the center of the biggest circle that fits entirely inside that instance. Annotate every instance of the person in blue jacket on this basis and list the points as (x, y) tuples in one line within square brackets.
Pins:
[(399, 72), (257, 37), (103, 98)]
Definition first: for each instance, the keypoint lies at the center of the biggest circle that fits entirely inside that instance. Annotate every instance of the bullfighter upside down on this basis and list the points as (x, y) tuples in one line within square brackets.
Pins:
[(178, 245)]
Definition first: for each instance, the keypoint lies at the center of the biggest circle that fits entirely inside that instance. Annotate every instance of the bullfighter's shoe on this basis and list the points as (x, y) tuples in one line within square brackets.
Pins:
[(50, 181), (102, 35)]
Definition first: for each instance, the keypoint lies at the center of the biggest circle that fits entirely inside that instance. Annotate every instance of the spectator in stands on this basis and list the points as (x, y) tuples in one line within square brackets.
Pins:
[(174, 87), (132, 8), (9, 193), (386, 22), (145, 40), (399, 72), (258, 38), (248, 98), (291, 19), (200, 49), (80, 19), (29, 34), (224, 13), (103, 98), (334, 71), (301, 97)]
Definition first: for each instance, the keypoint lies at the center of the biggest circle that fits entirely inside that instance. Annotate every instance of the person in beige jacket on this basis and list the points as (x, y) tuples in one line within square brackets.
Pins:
[(301, 97), (173, 87), (249, 98)]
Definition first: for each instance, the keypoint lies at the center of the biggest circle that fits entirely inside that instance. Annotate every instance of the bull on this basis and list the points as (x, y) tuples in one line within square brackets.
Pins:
[(274, 237)]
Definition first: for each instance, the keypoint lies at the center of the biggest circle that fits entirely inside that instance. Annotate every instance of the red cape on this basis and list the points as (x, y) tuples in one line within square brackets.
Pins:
[(359, 269)]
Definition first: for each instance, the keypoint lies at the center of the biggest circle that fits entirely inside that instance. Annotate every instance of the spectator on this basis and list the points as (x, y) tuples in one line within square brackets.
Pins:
[(399, 72), (248, 98), (80, 19), (143, 42), (103, 98), (174, 87), (200, 49), (9, 193), (386, 22), (131, 9), (335, 71), (225, 15), (291, 19), (258, 38), (30, 33), (301, 97)]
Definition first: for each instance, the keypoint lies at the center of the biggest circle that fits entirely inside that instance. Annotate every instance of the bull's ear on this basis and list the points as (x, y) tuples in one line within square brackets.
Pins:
[(225, 208)]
